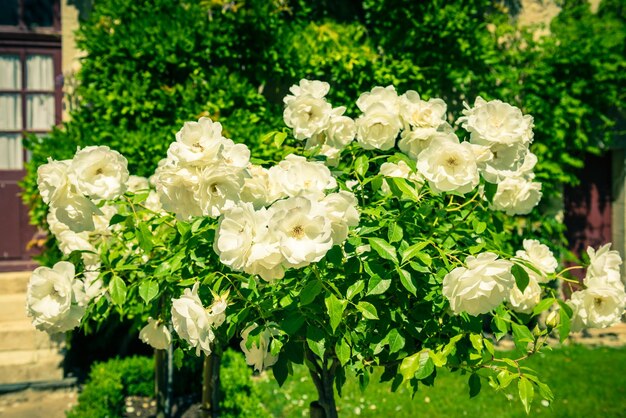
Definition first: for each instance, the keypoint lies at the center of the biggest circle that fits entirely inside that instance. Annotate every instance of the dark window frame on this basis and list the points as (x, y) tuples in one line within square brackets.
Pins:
[(23, 28)]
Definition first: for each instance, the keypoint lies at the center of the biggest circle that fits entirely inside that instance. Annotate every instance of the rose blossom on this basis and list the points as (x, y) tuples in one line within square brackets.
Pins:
[(479, 287), (258, 355), (540, 256), (525, 302), (600, 305), (50, 299), (99, 172), (517, 196), (449, 166), (192, 322), (156, 334), (496, 122)]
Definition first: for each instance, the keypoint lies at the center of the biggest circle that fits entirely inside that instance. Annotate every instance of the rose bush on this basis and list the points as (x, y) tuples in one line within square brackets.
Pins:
[(369, 255)]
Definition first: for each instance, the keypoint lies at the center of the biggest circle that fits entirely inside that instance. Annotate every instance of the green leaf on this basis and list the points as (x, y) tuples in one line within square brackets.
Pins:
[(424, 258), (410, 252), (343, 351), (407, 280), (356, 288), (394, 232), (474, 385), (490, 190), (310, 291), (505, 378), (521, 277), (361, 165), (477, 342), (144, 236), (367, 309), (419, 365), (384, 249), (117, 218), (117, 290), (407, 190), (521, 335), (316, 341), (279, 138), (292, 323), (543, 305), (396, 341), (148, 290), (178, 357), (526, 392), (377, 285), (280, 370), (335, 308), (565, 324)]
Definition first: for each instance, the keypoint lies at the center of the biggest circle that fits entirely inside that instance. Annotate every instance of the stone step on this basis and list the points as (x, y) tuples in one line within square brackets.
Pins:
[(13, 307), (30, 366), (22, 335), (14, 282)]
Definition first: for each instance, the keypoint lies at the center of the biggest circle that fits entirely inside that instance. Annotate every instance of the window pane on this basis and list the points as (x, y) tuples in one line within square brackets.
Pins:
[(11, 153), (9, 15), (10, 72), (39, 73), (39, 111), (10, 112), (38, 12)]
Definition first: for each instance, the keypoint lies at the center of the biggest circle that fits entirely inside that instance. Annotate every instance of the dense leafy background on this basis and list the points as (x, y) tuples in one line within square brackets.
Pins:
[(152, 65)]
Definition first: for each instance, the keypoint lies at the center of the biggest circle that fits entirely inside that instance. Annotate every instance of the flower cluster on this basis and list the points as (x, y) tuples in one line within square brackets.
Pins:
[(312, 118), (497, 149), (602, 302), (297, 229), (73, 187), (203, 173)]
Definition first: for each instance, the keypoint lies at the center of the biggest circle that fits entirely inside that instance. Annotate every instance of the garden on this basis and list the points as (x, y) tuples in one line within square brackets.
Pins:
[(331, 209)]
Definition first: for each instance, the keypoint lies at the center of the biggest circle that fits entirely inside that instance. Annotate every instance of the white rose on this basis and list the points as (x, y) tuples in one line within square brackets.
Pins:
[(234, 155), (508, 160), (156, 334), (385, 96), (51, 177), (307, 115), (302, 229), (177, 189), (341, 210), (50, 299), (341, 130), (540, 256), (71, 241), (378, 128), (258, 355), (525, 302), (197, 143), (99, 172), (314, 88), (219, 188), (192, 322), (236, 232), (599, 306), (266, 259), (90, 287), (412, 142), (496, 122), (137, 183), (295, 176), (449, 166), (74, 210), (479, 287), (153, 202), (517, 196), (256, 187), (605, 262), (421, 113)]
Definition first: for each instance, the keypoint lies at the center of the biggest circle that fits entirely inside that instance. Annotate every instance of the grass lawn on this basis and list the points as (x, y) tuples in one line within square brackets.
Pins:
[(586, 383)]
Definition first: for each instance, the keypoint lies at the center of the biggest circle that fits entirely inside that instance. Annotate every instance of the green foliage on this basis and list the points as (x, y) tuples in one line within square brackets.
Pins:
[(108, 385), (240, 397)]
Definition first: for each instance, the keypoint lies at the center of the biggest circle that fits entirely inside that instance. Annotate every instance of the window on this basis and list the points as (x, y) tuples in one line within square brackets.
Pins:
[(29, 101), (30, 14)]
